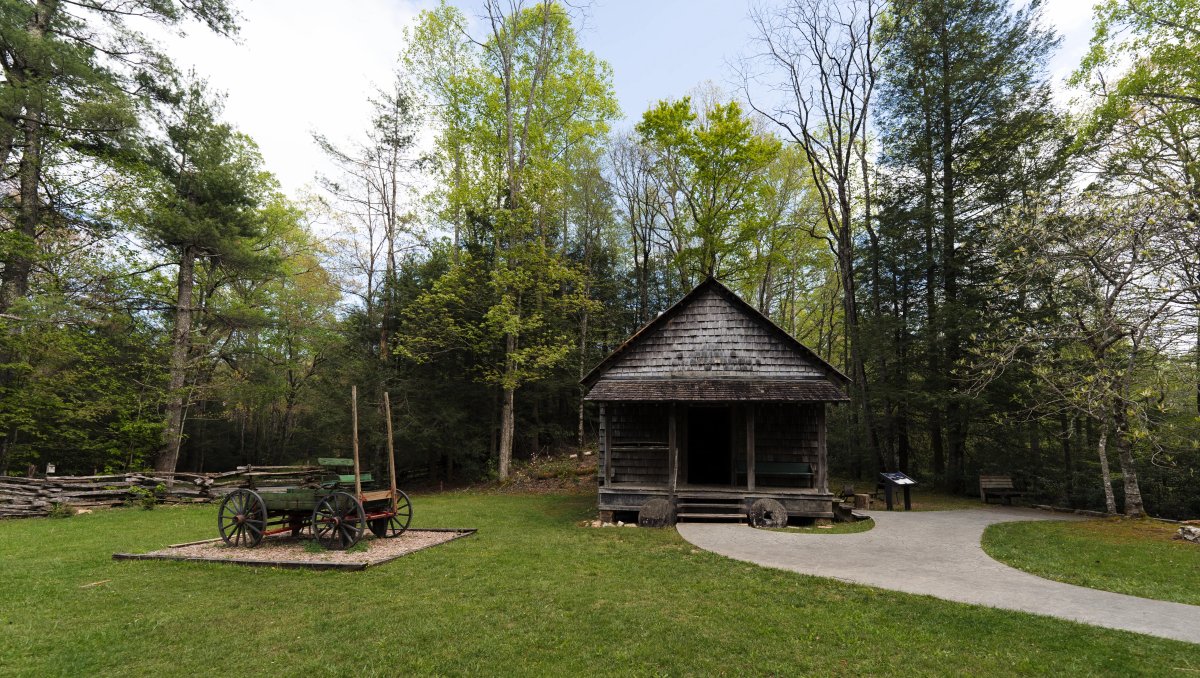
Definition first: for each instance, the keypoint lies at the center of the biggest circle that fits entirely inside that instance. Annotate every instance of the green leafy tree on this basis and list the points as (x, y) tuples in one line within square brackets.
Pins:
[(203, 207), (967, 128), (76, 76), (1143, 129), (534, 98), (711, 167)]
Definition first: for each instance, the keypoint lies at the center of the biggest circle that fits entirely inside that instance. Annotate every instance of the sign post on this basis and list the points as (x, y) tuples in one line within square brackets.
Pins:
[(895, 479)]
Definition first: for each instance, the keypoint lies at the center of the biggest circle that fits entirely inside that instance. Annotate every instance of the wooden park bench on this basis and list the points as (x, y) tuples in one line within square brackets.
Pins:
[(779, 469), (1000, 486)]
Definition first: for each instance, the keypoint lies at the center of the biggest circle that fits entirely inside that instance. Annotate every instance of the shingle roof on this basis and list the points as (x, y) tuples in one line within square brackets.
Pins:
[(712, 345), (707, 390)]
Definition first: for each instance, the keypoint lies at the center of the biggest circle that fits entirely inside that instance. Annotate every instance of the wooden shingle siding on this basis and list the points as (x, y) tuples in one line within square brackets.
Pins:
[(787, 433), (639, 443), (711, 338), (710, 356)]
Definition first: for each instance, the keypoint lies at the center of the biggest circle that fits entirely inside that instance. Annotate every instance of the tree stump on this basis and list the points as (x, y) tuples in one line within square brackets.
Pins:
[(862, 501), (656, 513), (768, 513)]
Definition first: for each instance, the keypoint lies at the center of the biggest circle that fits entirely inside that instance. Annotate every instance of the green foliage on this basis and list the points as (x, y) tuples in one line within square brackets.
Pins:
[(713, 167), (476, 284), (208, 182), (58, 510), (146, 497), (970, 144)]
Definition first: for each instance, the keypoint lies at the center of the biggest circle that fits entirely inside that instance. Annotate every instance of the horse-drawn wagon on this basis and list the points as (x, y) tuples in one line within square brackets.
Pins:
[(336, 514)]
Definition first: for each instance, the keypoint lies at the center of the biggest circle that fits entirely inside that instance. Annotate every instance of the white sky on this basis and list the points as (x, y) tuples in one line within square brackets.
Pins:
[(300, 66)]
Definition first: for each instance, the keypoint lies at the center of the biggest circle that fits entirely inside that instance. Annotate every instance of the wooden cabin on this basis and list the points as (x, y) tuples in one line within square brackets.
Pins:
[(712, 406)]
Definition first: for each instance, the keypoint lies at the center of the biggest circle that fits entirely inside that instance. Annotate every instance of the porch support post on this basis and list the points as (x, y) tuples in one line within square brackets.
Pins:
[(822, 457), (673, 449), (606, 443), (750, 447)]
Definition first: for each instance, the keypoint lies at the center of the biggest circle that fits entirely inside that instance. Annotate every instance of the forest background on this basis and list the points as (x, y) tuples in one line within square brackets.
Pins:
[(1012, 281)]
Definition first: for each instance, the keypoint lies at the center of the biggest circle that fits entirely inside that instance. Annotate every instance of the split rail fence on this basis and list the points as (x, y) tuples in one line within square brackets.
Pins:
[(30, 497)]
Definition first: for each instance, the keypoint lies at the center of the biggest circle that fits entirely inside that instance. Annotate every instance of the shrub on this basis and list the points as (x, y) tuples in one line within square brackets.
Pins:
[(58, 510), (147, 498)]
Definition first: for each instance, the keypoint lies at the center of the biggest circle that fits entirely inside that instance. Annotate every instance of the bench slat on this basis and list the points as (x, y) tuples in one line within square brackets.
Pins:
[(1000, 486), (349, 478)]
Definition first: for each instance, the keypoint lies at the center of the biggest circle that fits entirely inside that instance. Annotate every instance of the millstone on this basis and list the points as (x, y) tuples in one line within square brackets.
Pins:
[(768, 513), (656, 513)]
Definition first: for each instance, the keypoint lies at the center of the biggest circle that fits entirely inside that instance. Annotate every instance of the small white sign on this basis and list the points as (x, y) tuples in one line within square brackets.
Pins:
[(49, 469)]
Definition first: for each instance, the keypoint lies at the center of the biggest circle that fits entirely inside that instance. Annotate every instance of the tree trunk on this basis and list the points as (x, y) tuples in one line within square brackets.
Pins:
[(903, 444), (4, 450), (956, 426), (933, 362), (14, 282), (1035, 446), (1110, 504), (583, 330), (180, 344), (507, 426), (1133, 493), (507, 415)]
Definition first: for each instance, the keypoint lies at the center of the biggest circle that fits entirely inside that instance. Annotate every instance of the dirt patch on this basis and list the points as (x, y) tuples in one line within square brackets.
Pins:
[(287, 551), (571, 474)]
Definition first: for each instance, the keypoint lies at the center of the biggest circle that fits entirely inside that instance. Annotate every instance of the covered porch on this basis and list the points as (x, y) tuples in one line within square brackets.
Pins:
[(713, 460)]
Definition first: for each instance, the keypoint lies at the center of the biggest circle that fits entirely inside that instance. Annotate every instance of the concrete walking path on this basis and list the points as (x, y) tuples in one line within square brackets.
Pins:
[(938, 553)]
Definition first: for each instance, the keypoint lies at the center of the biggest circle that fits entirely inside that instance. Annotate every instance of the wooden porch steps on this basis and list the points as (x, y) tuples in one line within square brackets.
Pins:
[(729, 517), (712, 505), (709, 509)]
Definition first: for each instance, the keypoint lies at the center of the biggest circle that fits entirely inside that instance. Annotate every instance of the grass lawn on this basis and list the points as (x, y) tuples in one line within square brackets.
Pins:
[(836, 528), (1137, 557), (531, 594)]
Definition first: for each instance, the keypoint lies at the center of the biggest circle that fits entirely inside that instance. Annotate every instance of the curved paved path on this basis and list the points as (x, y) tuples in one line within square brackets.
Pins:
[(938, 553)]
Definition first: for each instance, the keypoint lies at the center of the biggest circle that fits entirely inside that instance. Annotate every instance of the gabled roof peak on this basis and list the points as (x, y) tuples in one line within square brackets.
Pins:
[(712, 333)]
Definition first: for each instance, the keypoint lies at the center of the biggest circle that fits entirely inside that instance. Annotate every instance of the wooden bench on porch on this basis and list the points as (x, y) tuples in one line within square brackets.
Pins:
[(778, 469), (1000, 486)]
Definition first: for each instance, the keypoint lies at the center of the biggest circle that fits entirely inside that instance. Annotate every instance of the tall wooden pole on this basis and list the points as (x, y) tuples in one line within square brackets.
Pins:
[(354, 417), (672, 451), (387, 410), (750, 479)]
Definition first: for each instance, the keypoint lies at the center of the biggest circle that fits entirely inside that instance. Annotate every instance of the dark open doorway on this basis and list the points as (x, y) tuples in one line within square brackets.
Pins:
[(709, 446)]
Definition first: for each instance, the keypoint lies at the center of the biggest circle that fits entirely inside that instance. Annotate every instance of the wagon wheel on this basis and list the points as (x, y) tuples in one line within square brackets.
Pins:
[(242, 518), (338, 522), (397, 523)]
